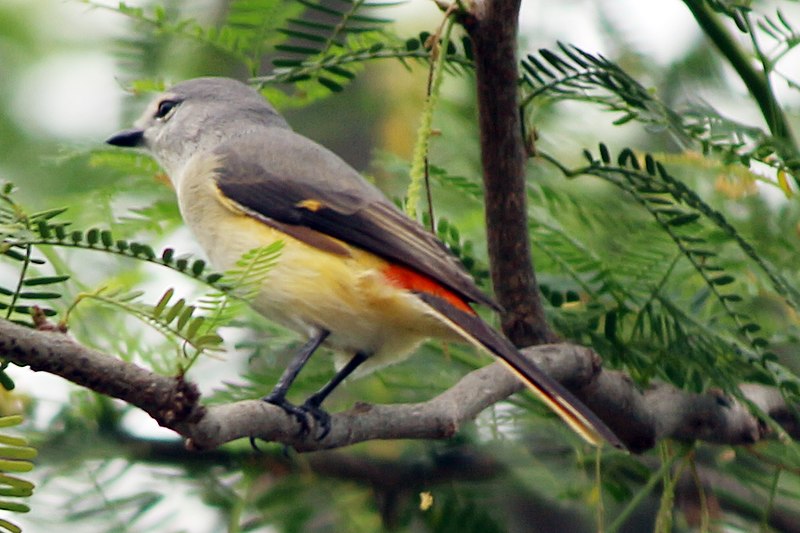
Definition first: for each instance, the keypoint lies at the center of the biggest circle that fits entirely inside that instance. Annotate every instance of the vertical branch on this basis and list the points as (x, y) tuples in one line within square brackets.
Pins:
[(492, 27)]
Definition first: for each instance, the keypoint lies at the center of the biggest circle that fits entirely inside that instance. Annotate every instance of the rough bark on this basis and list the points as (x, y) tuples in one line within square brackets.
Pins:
[(492, 27), (640, 418)]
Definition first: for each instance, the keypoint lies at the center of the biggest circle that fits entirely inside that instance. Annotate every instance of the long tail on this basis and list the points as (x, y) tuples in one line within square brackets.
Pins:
[(474, 330)]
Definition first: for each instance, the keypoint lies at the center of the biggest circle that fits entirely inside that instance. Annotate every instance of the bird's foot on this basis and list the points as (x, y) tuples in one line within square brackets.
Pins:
[(301, 413), (321, 418), (298, 412)]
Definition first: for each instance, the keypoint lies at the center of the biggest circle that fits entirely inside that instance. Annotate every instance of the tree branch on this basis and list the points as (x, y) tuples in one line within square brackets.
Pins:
[(492, 27), (640, 418)]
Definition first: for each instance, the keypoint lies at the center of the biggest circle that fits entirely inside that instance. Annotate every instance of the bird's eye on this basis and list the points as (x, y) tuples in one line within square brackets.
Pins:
[(165, 107)]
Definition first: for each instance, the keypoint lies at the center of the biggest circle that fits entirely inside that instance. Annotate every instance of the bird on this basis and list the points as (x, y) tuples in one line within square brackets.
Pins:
[(355, 274)]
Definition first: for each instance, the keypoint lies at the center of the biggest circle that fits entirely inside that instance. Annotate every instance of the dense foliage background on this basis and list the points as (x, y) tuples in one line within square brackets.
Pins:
[(664, 228)]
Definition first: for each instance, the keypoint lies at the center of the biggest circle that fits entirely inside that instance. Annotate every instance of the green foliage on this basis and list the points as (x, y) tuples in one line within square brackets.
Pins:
[(173, 317), (178, 320), (250, 28), (30, 288), (577, 75), (418, 175), (327, 73), (321, 46), (15, 456), (321, 39), (27, 298), (634, 310), (58, 234), (781, 144), (452, 514), (462, 248)]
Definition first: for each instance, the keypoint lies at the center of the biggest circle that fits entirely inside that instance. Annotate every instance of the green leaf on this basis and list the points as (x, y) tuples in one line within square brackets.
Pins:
[(284, 62), (14, 507), (40, 295), (722, 280), (344, 73), (302, 35), (330, 84), (162, 303), (208, 340), (11, 528), (13, 254), (44, 280), (49, 214), (184, 316), (197, 267), (174, 311), (7, 383), (17, 452), (750, 328), (194, 326), (106, 239), (10, 465), (44, 229), (93, 236), (10, 421), (213, 278), (305, 50), (682, 220), (605, 156)]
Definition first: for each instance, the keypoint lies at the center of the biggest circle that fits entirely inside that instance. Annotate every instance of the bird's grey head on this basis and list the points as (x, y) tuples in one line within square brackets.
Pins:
[(195, 116)]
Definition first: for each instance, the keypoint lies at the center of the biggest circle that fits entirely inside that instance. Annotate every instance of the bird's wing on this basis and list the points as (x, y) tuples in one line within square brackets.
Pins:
[(292, 182)]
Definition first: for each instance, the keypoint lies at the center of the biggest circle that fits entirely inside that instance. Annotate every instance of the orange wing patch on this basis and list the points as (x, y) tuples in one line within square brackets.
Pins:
[(408, 279)]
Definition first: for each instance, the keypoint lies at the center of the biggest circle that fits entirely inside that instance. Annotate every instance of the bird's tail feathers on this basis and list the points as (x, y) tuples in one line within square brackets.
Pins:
[(474, 330)]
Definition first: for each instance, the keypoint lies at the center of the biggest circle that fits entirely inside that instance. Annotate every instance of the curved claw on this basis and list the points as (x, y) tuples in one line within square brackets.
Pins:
[(320, 416), (254, 445), (299, 413)]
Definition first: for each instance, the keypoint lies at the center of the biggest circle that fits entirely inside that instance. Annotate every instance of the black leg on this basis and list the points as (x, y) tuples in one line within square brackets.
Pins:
[(318, 397), (312, 404), (278, 394)]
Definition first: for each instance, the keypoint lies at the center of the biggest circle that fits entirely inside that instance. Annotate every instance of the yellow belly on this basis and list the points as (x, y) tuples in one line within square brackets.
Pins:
[(310, 289)]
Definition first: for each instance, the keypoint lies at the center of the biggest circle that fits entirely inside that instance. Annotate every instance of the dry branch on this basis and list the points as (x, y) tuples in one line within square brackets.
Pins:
[(640, 418)]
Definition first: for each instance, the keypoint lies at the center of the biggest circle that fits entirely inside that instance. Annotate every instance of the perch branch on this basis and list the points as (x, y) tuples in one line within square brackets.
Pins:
[(640, 418)]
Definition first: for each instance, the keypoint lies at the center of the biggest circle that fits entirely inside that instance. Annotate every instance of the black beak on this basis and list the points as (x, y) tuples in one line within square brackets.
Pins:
[(127, 138)]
